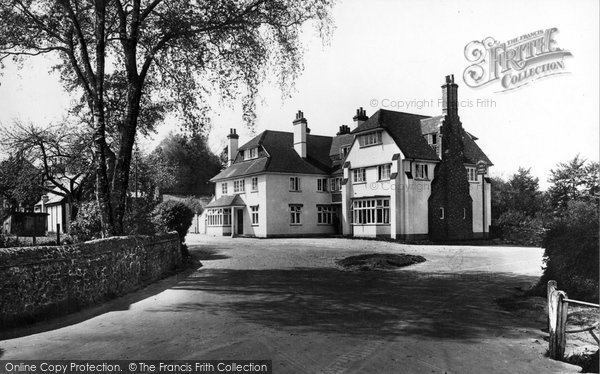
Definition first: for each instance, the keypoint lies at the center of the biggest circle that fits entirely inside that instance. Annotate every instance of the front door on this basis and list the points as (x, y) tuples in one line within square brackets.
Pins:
[(240, 221)]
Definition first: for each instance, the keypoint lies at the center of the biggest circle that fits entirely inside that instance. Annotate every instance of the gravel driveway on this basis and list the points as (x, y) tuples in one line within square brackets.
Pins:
[(286, 300)]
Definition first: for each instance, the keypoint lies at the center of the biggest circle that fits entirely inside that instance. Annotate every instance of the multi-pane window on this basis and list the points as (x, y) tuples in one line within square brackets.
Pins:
[(250, 153), (239, 185), (421, 171), (384, 171), (372, 138), (224, 188), (295, 214), (472, 174), (322, 184), (335, 184), (255, 184), (359, 175), (254, 214), (325, 214), (219, 217), (344, 152), (371, 211), (294, 183), (434, 142)]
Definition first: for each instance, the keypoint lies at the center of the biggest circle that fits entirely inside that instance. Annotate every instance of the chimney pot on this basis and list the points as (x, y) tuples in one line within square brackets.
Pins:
[(232, 149), (300, 131)]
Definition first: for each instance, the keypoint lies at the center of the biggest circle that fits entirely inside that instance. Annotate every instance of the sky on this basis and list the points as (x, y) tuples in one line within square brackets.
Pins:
[(394, 55)]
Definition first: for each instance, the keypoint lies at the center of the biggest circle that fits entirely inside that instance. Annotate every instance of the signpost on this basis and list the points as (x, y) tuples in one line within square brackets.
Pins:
[(481, 170)]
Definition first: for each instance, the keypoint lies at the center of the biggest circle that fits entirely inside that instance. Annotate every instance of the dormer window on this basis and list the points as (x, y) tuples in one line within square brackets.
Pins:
[(251, 153), (372, 138), (344, 152), (434, 142)]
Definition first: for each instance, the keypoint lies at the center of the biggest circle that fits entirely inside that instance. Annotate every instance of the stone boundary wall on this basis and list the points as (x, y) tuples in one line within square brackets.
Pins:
[(38, 282)]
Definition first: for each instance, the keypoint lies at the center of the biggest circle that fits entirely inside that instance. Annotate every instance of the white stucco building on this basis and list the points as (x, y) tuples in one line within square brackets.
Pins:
[(374, 179)]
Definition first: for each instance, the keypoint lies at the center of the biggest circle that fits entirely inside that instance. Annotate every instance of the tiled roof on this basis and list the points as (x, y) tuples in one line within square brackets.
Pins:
[(277, 154), (226, 200), (405, 129), (280, 146), (472, 152), (243, 168), (340, 141)]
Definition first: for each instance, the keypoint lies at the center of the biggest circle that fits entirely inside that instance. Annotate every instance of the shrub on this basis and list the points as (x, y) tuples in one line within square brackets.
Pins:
[(519, 228), (173, 216), (571, 255), (138, 216), (87, 225)]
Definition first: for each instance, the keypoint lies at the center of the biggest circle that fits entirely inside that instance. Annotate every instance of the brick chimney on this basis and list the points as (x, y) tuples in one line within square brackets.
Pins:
[(232, 149), (450, 97), (300, 130), (344, 129), (359, 118)]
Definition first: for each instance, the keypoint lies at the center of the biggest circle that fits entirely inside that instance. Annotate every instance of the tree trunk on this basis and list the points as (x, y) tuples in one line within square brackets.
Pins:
[(127, 133), (102, 184)]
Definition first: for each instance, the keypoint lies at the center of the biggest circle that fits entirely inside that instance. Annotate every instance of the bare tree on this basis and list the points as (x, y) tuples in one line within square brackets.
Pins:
[(173, 53), (62, 155)]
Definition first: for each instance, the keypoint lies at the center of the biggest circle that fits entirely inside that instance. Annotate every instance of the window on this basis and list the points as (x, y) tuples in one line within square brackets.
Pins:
[(322, 184), (472, 174), (335, 184), (224, 188), (421, 171), (384, 171), (434, 142), (344, 152), (251, 153), (295, 214), (359, 175), (255, 184), (294, 183), (219, 217), (372, 138), (441, 213), (464, 213), (325, 214), (239, 186), (254, 214), (371, 211)]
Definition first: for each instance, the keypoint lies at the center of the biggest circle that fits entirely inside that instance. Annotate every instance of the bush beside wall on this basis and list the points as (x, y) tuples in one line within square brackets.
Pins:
[(37, 282)]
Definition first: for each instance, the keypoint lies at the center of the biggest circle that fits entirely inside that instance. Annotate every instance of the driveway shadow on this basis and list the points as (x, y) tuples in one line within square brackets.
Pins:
[(207, 252), (373, 303)]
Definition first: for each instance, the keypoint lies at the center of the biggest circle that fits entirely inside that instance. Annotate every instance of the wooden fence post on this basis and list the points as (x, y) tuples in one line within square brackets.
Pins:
[(561, 326), (557, 313), (552, 286)]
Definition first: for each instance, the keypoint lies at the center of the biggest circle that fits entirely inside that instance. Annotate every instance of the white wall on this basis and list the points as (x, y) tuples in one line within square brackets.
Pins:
[(370, 158), (279, 197), (477, 196), (54, 217)]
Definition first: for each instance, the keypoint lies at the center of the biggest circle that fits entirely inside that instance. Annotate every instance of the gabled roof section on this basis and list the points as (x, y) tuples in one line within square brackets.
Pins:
[(281, 157), (339, 141), (472, 152), (405, 129)]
